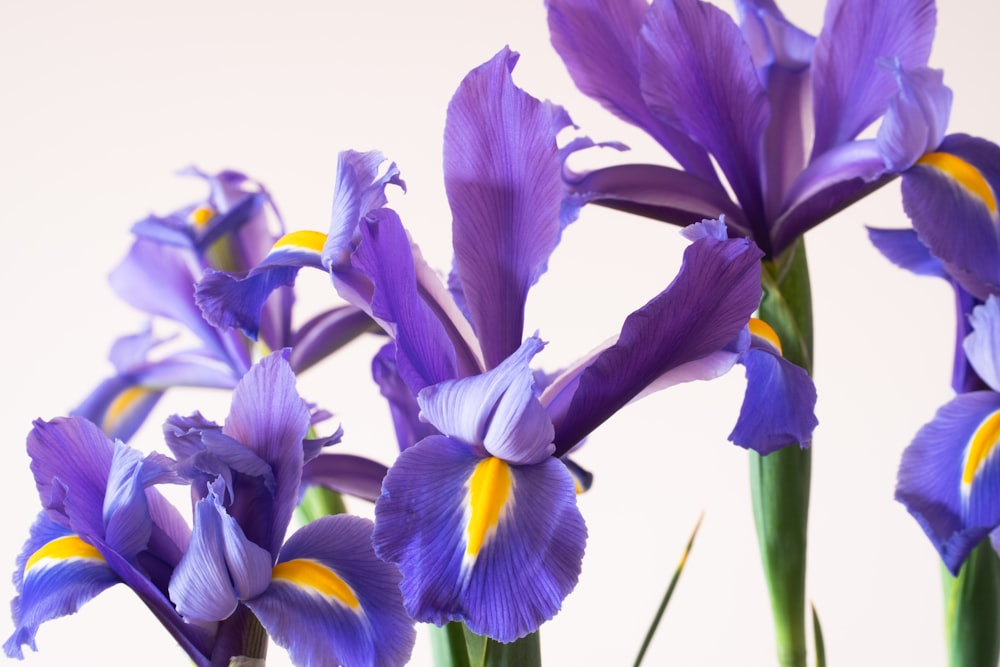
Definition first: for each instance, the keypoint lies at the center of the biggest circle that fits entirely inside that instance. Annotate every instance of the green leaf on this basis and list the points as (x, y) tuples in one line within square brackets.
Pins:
[(666, 596), (818, 639), (319, 501), (485, 652), (448, 645)]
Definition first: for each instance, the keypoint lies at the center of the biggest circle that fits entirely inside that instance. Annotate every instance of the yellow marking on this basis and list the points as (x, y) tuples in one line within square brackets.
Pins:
[(302, 239), (202, 215), (763, 330), (62, 548), (489, 489), (309, 573), (983, 442), (122, 403), (967, 176)]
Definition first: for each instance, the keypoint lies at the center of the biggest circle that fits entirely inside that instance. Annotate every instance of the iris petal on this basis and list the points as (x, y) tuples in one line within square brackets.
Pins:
[(332, 601), (527, 562), (955, 508), (917, 117), (982, 346), (902, 248)]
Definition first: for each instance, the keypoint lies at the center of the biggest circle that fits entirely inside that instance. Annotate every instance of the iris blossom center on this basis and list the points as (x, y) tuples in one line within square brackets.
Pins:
[(310, 574), (762, 329), (964, 174), (489, 489), (306, 239)]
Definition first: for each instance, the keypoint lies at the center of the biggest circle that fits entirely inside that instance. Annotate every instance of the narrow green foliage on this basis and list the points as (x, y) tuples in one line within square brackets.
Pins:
[(818, 639), (485, 652), (666, 597), (972, 610), (319, 501), (779, 482), (448, 644)]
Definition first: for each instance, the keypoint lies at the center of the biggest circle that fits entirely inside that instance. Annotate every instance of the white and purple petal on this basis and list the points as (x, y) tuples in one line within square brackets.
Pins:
[(982, 345), (917, 116), (477, 540), (332, 601), (949, 475), (497, 412)]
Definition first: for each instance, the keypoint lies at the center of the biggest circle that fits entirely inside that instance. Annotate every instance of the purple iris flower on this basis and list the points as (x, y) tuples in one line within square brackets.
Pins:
[(779, 111), (322, 594), (232, 229), (479, 511)]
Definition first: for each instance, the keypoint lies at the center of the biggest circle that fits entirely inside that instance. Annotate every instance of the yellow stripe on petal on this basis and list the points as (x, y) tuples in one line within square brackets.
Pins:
[(762, 329), (63, 548), (965, 174), (489, 490), (981, 445), (202, 215), (317, 577), (122, 404), (302, 240)]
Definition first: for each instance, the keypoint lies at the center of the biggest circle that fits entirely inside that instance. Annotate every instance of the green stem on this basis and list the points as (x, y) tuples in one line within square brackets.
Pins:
[(779, 482), (972, 610), (319, 501)]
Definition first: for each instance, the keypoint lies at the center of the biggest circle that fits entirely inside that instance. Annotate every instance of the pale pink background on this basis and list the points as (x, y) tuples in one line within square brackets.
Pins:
[(103, 101)]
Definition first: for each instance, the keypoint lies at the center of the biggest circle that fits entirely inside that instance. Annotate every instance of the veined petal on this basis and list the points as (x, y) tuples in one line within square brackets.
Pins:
[(425, 352), (772, 39), (697, 73), (57, 573), (950, 473), (119, 405), (706, 306), (657, 192), (598, 41), (331, 600), (778, 407), (410, 429), (503, 176), (220, 567), (270, 418), (494, 545), (849, 90), (951, 198), (497, 411), (229, 300), (982, 346), (917, 116), (902, 248), (127, 524)]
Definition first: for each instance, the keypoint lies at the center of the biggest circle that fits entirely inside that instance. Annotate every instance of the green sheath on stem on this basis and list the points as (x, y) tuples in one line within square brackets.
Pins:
[(779, 482), (972, 610)]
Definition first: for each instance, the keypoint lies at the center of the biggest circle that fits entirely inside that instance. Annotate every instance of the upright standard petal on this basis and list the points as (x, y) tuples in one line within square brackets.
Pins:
[(706, 306), (917, 116), (598, 41), (502, 172), (849, 90), (331, 600), (698, 74)]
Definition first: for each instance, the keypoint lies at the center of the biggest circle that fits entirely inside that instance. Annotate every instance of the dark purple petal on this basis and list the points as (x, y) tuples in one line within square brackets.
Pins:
[(955, 512), (917, 116), (502, 172), (425, 354), (332, 601), (657, 192), (778, 407), (410, 429), (345, 473), (706, 306), (325, 334), (270, 418), (497, 411), (850, 91), (950, 196), (503, 581), (62, 573), (902, 248), (697, 73), (982, 346), (598, 41)]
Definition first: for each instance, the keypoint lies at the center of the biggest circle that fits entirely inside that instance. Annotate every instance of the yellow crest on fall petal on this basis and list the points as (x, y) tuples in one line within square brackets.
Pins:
[(63, 548), (966, 175), (309, 574)]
